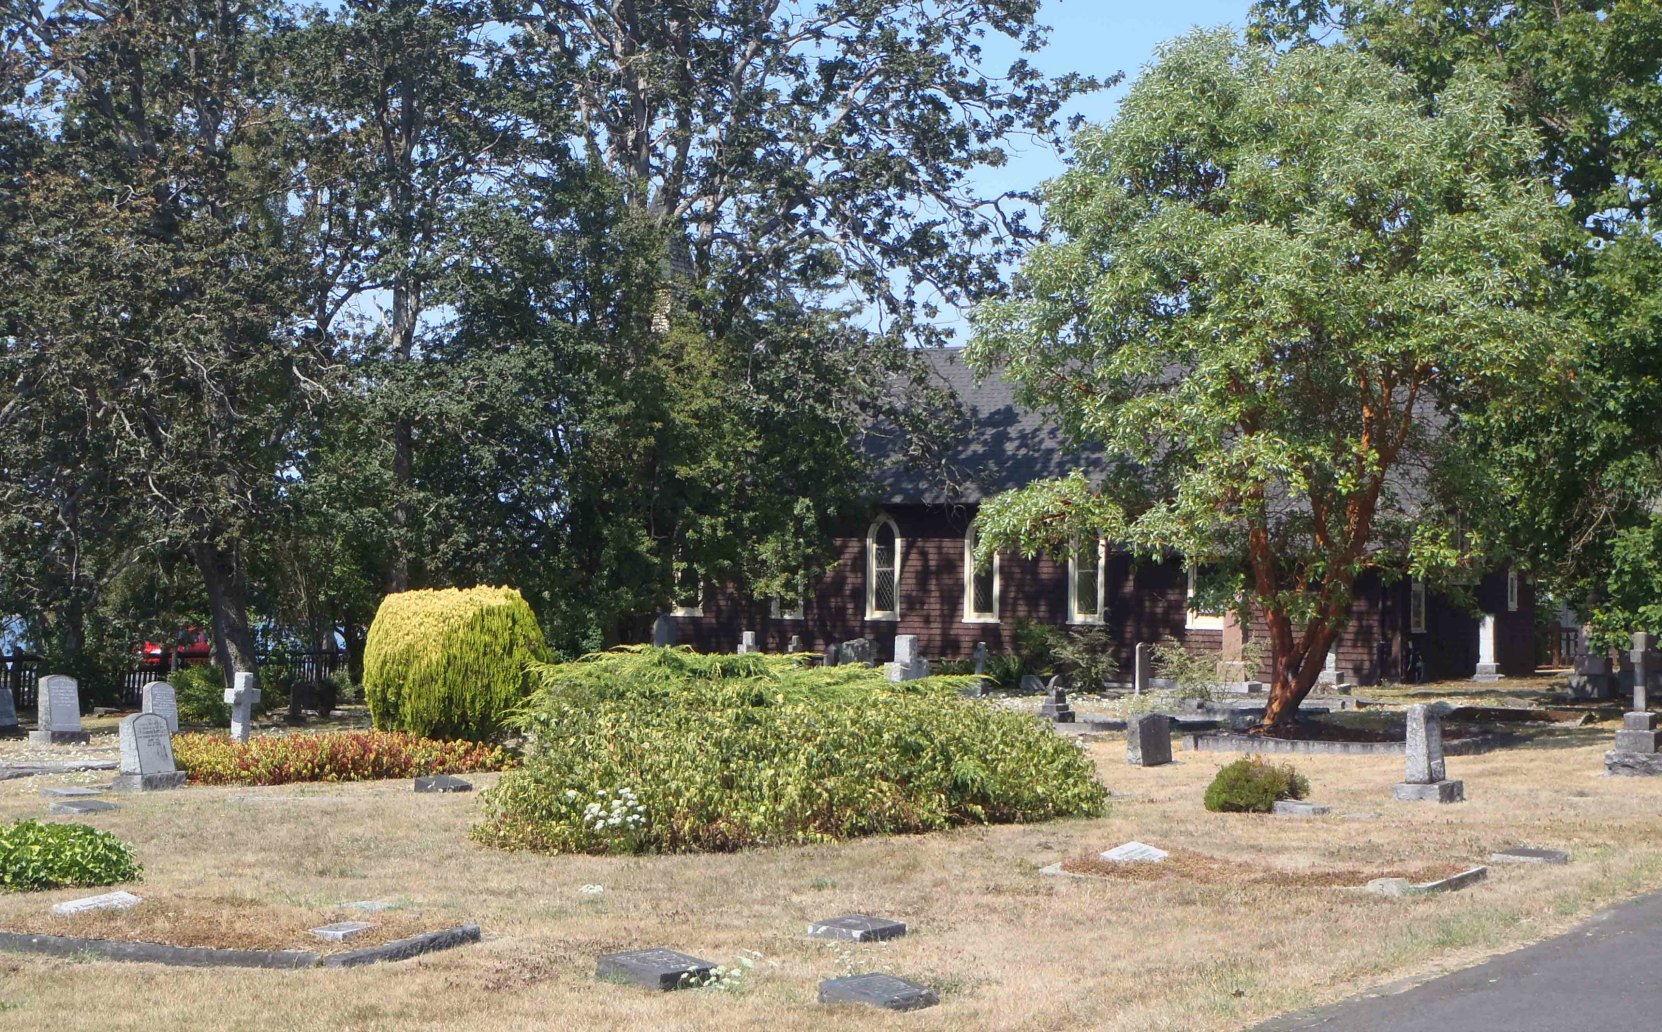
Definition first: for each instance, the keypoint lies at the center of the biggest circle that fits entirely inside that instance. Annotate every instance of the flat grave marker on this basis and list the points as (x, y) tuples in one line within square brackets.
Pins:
[(120, 900), (857, 928), (341, 931), (1529, 855), (70, 792), (874, 990), (1299, 808), (1135, 853), (442, 783), (80, 807), (658, 968)]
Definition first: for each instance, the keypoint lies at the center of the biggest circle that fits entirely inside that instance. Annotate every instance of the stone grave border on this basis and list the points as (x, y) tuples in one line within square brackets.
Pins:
[(1225, 741), (207, 956)]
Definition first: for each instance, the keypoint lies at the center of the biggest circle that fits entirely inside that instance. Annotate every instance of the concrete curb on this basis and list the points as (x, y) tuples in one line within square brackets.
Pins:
[(205, 956)]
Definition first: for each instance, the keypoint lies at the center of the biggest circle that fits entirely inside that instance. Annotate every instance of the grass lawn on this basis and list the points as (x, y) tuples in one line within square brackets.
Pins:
[(1008, 948)]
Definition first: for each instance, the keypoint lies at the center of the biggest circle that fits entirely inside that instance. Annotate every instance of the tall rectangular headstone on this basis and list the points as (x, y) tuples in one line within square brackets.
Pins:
[(242, 697), (907, 665), (59, 714), (1144, 669), (980, 658), (1426, 777), (1148, 740), (1487, 668), (1645, 664), (663, 631), (147, 755), (1592, 678), (160, 698), (8, 713)]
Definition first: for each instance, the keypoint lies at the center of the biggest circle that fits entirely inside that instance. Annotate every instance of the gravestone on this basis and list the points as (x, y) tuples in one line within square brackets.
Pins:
[(1427, 778), (1592, 678), (1134, 853), (59, 719), (1055, 707), (794, 646), (833, 655), (1299, 808), (1487, 669), (1148, 740), (857, 928), (980, 658), (341, 931), (242, 698), (747, 642), (1639, 743), (119, 900), (1031, 683), (859, 650), (8, 714), (147, 755), (663, 631), (1143, 671), (874, 990), (1330, 669), (442, 783), (1529, 855), (659, 968), (79, 807), (160, 698), (907, 665)]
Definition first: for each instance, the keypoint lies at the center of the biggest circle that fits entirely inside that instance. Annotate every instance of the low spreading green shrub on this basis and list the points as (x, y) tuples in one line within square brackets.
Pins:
[(664, 750), (201, 694), (49, 856), (335, 756), (1252, 785), (450, 663)]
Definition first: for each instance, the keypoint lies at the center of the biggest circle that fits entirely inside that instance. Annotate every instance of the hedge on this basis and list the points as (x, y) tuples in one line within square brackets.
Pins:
[(450, 663), (333, 756)]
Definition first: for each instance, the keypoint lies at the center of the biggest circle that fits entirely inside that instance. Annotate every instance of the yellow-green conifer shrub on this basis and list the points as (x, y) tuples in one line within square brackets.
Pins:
[(450, 663)]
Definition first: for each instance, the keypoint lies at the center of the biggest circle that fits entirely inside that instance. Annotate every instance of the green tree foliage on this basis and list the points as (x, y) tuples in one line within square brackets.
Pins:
[(1280, 281), (662, 750), (450, 663), (1581, 477)]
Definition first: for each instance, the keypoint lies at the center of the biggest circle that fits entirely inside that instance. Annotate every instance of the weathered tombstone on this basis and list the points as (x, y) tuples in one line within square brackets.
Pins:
[(147, 755), (1055, 707), (442, 783), (1031, 683), (241, 699), (857, 928), (1487, 669), (1427, 778), (794, 645), (907, 665), (1646, 665), (980, 655), (1144, 668), (8, 714), (1330, 670), (747, 642), (660, 969), (1592, 678), (59, 719), (79, 807), (1639, 743), (874, 990), (833, 655), (160, 698), (1299, 808), (859, 650), (663, 631), (1148, 740)]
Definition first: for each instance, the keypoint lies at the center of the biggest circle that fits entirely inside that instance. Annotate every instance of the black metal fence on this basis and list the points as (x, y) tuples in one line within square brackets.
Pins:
[(22, 672)]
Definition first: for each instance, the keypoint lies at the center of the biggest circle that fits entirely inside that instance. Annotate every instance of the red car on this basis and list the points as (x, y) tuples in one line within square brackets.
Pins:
[(193, 645)]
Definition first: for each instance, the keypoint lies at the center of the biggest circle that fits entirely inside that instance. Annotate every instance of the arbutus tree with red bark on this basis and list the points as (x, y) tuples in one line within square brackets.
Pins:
[(1275, 283)]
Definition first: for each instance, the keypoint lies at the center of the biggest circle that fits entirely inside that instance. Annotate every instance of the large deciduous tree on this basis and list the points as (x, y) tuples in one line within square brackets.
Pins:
[(1281, 282)]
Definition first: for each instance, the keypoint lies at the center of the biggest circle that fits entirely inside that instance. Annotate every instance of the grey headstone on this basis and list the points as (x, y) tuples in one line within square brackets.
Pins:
[(663, 631), (859, 650), (794, 645), (160, 699), (147, 755), (980, 658), (1299, 808), (747, 642), (1055, 707), (442, 783), (341, 931), (1148, 740), (833, 655), (857, 928), (1646, 665), (58, 713), (242, 696), (1437, 792), (907, 665), (1144, 669), (1529, 855), (1633, 764), (1426, 764), (661, 969), (905, 649), (8, 712), (885, 991), (80, 807)]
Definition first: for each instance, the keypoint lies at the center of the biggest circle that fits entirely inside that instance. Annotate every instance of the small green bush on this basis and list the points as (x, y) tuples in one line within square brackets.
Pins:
[(201, 694), (663, 750), (450, 663), (1252, 785), (49, 856), (334, 756)]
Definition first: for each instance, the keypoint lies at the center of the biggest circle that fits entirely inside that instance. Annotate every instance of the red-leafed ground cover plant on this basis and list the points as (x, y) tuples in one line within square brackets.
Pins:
[(334, 756)]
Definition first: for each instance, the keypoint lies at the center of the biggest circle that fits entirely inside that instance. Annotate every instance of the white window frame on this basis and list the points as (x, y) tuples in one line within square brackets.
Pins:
[(1193, 619), (1511, 591), (970, 615), (1074, 615), (872, 612), (1416, 606)]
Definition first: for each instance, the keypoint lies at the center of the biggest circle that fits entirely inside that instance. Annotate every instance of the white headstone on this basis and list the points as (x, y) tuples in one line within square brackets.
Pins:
[(160, 698), (1135, 853), (747, 642), (1144, 669), (905, 648), (146, 745), (60, 703), (241, 699), (108, 901)]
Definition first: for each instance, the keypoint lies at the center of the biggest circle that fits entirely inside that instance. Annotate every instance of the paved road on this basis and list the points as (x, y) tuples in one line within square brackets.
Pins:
[(1606, 974)]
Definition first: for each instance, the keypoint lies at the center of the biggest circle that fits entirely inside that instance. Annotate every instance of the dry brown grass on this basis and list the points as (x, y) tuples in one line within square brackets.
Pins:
[(1009, 948)]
